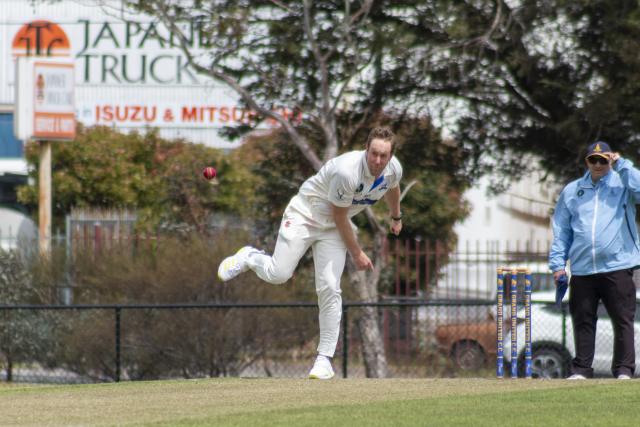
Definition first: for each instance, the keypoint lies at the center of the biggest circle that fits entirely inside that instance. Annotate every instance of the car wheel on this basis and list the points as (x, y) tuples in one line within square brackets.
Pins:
[(468, 356), (547, 361)]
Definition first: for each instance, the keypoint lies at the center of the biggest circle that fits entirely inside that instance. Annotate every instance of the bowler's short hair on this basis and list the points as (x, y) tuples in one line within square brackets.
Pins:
[(384, 133)]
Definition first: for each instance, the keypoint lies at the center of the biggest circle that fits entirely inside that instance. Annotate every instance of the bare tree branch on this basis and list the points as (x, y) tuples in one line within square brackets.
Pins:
[(485, 39), (522, 93), (346, 84), (327, 120), (299, 140), (407, 188), (363, 11), (282, 5), (374, 221)]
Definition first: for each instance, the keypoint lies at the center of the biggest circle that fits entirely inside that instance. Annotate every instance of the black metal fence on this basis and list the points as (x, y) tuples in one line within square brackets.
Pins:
[(105, 343)]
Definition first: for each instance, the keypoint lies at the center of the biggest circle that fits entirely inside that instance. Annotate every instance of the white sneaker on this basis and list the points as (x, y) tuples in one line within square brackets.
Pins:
[(577, 377), (623, 377), (232, 266), (321, 370)]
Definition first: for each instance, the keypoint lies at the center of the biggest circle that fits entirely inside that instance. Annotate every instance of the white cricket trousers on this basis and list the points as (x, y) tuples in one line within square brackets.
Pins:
[(305, 224)]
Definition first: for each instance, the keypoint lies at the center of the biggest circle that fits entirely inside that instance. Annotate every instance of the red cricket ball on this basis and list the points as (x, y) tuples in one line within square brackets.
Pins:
[(209, 172)]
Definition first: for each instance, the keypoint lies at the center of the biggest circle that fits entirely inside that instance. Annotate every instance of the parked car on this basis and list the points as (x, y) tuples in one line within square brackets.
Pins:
[(472, 345), (469, 345)]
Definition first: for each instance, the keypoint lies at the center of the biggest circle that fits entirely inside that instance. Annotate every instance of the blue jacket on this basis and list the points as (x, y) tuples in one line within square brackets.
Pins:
[(594, 226)]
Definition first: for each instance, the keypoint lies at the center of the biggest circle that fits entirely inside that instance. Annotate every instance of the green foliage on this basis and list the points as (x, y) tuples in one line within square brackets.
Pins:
[(167, 269), (16, 286), (160, 179), (156, 344), (432, 207), (25, 335), (542, 78), (280, 168)]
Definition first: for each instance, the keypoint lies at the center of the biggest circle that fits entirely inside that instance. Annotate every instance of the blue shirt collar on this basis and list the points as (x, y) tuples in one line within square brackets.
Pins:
[(587, 182)]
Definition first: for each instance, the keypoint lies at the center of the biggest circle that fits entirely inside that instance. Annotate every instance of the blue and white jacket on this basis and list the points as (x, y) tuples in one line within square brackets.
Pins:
[(594, 225)]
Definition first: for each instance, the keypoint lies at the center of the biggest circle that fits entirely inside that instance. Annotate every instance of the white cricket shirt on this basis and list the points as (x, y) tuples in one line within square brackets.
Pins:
[(346, 181)]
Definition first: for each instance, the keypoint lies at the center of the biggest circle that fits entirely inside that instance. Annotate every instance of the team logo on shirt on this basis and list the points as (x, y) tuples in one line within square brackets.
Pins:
[(580, 193), (360, 187), (340, 194), (364, 201)]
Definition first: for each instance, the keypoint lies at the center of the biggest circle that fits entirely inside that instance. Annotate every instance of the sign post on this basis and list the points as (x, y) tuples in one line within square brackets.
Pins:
[(44, 198), (45, 111)]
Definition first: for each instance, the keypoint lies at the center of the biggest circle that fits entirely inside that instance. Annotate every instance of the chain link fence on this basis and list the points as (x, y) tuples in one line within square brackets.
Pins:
[(436, 314), (108, 343)]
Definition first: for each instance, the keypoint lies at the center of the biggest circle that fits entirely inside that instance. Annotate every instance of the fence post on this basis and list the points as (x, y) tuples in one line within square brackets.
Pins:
[(564, 326), (345, 340), (117, 333)]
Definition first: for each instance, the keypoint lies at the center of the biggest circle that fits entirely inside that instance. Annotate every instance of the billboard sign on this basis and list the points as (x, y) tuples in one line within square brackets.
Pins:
[(130, 73), (54, 110), (45, 106)]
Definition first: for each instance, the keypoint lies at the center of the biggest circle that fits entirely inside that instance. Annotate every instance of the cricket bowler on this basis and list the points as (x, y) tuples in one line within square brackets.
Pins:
[(319, 217)]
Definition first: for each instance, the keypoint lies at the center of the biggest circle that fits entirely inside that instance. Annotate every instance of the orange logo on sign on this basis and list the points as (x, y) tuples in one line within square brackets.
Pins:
[(41, 38), (40, 88)]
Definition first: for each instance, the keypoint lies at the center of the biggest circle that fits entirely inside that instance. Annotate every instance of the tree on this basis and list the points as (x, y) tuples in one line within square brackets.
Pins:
[(533, 79)]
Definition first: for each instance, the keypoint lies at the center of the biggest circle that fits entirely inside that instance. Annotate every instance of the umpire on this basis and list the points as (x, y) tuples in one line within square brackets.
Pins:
[(594, 230)]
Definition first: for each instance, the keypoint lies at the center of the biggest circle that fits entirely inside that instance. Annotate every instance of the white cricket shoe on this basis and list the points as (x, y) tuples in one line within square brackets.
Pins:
[(321, 370), (235, 264), (577, 377), (623, 377)]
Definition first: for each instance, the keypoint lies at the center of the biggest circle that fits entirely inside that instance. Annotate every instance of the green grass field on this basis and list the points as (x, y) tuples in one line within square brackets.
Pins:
[(352, 402)]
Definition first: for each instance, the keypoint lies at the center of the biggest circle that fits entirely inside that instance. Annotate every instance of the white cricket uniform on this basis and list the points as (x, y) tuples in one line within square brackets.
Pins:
[(307, 221)]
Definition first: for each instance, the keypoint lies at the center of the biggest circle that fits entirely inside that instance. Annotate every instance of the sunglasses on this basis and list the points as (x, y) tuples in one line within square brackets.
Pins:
[(598, 159)]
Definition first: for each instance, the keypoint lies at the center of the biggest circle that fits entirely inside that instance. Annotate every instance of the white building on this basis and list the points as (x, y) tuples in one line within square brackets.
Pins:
[(521, 214), (508, 230)]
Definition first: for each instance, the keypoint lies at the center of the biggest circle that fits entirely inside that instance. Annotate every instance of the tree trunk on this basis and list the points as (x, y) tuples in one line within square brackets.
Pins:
[(366, 285)]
